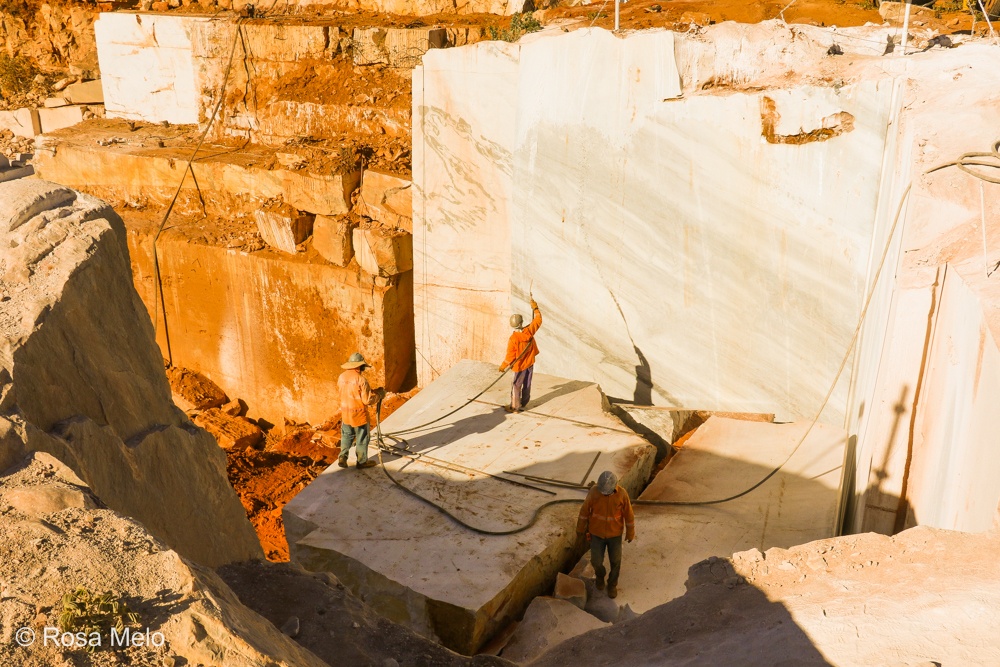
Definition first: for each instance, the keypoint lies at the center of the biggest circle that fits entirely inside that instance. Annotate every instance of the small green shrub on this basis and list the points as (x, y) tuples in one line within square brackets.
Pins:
[(520, 25), (88, 613), (949, 6), (17, 74)]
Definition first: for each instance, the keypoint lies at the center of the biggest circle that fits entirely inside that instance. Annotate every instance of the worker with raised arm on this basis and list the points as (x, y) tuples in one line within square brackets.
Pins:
[(355, 397), (605, 513), (521, 353)]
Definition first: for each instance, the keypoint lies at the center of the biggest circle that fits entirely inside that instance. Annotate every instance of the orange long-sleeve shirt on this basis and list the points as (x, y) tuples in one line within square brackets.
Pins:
[(606, 516), (355, 395), (519, 340)]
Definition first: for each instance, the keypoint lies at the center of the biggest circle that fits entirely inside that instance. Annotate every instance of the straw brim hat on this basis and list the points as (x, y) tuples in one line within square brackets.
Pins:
[(356, 361)]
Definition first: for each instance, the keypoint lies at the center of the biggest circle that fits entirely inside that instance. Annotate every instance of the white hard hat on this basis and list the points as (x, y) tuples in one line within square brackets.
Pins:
[(607, 482)]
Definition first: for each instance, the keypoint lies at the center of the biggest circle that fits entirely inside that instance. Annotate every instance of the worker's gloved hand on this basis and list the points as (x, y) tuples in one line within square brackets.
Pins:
[(380, 392), (503, 368), (630, 538), (533, 304)]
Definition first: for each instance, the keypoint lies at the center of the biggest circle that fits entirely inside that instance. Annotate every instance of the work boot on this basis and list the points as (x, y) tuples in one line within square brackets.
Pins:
[(600, 583), (612, 590), (342, 463), (367, 464), (508, 408)]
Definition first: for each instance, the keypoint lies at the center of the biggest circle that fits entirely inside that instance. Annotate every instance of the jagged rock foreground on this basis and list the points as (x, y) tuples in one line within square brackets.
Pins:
[(57, 538), (82, 379)]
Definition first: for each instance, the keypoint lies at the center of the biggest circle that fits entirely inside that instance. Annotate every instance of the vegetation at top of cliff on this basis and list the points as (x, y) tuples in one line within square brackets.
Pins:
[(520, 25), (17, 75)]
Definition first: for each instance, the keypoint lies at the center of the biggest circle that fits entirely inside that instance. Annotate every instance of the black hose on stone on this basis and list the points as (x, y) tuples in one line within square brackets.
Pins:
[(990, 160)]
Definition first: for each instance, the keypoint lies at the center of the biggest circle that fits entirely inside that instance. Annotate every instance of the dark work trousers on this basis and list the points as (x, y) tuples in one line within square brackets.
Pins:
[(520, 391), (614, 549), (357, 436)]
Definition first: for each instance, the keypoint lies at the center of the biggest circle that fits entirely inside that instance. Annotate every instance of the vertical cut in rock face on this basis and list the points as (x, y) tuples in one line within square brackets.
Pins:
[(417, 566), (799, 503), (704, 249), (82, 378)]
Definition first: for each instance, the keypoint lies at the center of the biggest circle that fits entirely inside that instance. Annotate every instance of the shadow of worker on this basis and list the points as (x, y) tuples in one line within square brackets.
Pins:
[(716, 622)]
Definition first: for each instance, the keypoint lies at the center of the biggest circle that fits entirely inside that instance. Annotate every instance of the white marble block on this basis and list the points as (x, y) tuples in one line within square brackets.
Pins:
[(381, 253), (283, 227)]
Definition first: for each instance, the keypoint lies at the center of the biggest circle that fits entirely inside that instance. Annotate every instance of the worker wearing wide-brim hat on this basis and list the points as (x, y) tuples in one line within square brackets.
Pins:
[(355, 397), (606, 512)]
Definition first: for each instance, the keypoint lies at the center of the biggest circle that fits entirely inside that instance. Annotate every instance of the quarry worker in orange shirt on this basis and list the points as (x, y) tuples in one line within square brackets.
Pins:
[(355, 397), (605, 513), (521, 353)]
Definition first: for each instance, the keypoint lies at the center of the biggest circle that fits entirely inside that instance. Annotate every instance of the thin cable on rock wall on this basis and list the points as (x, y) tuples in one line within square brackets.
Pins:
[(966, 162), (188, 168), (672, 503)]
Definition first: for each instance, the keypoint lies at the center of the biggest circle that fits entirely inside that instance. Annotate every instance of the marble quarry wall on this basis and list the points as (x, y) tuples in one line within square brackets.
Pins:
[(921, 428), (268, 325), (281, 328), (729, 215), (701, 218), (287, 80), (955, 464)]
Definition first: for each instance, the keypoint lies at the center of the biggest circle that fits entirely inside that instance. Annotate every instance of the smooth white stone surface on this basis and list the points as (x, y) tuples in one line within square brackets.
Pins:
[(663, 238), (461, 229), (147, 66), (953, 478), (799, 504), (449, 579)]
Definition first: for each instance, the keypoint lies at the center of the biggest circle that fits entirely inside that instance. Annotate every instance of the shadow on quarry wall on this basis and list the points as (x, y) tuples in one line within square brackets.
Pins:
[(883, 512)]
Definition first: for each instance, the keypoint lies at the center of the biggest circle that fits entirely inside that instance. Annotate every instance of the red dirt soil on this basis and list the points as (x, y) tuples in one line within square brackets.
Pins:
[(641, 14), (267, 480)]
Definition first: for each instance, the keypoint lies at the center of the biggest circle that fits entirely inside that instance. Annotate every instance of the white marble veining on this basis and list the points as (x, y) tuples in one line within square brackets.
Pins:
[(680, 257), (462, 190)]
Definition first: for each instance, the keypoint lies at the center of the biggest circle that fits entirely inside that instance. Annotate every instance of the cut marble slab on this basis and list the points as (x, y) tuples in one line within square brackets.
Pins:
[(418, 567), (800, 503), (548, 621), (665, 426)]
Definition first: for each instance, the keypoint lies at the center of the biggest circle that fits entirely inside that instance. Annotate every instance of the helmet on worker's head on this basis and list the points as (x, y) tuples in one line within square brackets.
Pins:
[(356, 361), (516, 322), (607, 482)]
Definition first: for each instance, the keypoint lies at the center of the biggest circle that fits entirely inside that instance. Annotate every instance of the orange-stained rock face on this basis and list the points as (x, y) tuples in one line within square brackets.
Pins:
[(273, 329)]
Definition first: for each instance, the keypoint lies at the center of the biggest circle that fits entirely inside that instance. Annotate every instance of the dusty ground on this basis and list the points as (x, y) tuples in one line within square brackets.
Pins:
[(332, 623), (265, 481), (57, 537), (922, 597)]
